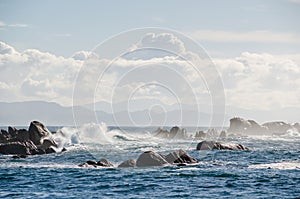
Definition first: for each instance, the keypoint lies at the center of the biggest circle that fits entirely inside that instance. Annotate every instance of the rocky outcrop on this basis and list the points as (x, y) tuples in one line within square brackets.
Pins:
[(128, 163), (278, 127), (240, 126), (210, 145), (37, 131), (18, 148), (34, 141), (174, 133), (250, 127)]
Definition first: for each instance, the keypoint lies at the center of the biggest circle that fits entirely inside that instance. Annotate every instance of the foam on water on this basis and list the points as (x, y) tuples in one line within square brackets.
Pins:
[(279, 165)]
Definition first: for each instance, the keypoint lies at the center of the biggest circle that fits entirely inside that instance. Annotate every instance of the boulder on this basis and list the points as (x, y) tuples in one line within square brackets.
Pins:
[(209, 145), (128, 163), (37, 131), (150, 158), (161, 133), (104, 163), (178, 133), (18, 148), (179, 157)]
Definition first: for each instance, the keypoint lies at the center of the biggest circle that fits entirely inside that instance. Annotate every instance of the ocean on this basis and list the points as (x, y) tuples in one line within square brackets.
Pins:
[(271, 169)]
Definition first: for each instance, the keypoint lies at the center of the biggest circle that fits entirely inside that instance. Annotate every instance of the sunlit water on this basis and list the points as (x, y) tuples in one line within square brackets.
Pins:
[(270, 170)]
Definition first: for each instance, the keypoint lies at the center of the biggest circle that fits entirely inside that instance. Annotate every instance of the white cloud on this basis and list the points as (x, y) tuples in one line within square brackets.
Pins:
[(251, 80), (18, 25), (261, 36), (261, 81)]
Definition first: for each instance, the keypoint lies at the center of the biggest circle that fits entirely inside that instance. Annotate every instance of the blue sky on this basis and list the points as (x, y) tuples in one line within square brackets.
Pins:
[(64, 27)]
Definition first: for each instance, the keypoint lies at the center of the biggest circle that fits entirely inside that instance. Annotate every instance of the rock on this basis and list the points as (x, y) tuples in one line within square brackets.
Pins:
[(4, 136), (22, 135), (128, 163), (161, 133), (200, 135), (278, 127), (175, 133), (18, 148), (63, 149), (104, 163), (209, 145), (19, 156), (240, 125), (150, 158), (37, 131), (178, 133), (91, 162), (223, 134), (180, 156), (12, 131)]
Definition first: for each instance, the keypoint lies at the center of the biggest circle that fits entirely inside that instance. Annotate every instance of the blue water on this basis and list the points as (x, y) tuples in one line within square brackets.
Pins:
[(270, 170)]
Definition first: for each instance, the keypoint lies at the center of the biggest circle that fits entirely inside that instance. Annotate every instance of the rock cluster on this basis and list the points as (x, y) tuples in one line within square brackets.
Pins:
[(148, 158), (174, 133), (22, 142), (250, 127)]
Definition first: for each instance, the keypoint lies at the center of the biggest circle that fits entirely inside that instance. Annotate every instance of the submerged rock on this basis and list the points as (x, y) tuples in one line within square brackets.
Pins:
[(210, 145), (128, 163), (150, 158)]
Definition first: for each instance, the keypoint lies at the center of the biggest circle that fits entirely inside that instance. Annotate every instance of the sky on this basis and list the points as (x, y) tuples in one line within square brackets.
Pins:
[(255, 46)]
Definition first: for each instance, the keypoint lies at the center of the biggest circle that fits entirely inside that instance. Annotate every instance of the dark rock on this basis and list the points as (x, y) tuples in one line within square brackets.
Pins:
[(91, 162), (50, 150), (18, 148), (209, 145), (181, 164), (63, 149), (180, 156), (19, 156), (150, 158), (12, 131), (104, 163), (128, 163), (37, 131)]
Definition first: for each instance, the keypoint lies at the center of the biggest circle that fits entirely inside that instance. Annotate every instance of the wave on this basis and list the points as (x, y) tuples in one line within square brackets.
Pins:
[(94, 133)]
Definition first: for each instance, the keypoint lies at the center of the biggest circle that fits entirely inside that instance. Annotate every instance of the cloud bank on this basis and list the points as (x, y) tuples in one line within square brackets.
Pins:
[(251, 80)]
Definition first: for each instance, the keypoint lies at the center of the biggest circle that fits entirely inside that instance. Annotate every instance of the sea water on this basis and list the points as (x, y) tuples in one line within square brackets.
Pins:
[(271, 169)]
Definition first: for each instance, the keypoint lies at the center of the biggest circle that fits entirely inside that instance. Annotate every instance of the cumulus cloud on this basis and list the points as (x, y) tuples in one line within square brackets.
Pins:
[(260, 81), (251, 80)]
